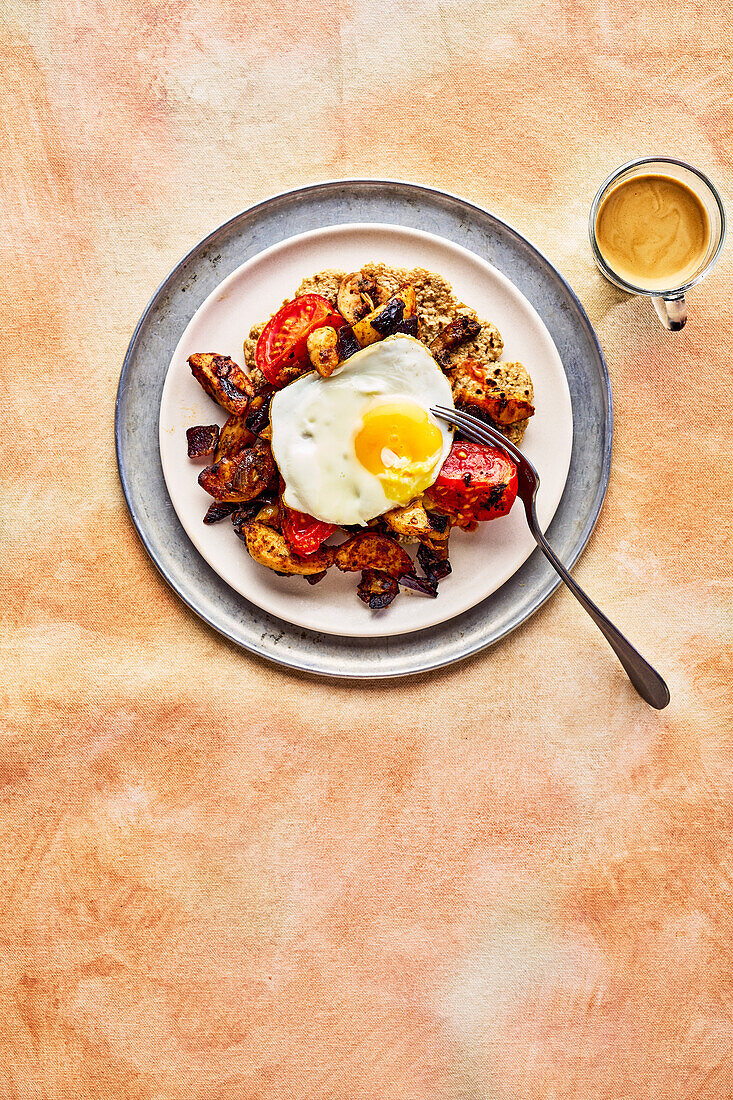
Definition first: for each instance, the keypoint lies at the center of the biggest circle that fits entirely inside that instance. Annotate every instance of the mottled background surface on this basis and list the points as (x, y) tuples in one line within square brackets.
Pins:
[(219, 880)]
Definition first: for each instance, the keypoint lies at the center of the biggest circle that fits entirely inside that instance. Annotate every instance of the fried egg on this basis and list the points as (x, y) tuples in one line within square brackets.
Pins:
[(353, 446)]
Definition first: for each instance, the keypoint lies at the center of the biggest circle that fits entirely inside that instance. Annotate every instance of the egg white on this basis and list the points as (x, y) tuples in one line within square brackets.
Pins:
[(314, 422)]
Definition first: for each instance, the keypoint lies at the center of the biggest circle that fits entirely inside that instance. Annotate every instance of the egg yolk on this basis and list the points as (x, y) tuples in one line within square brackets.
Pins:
[(396, 442)]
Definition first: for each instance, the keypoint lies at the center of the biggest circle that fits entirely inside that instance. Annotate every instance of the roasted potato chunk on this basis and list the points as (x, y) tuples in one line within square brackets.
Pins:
[(370, 550), (242, 477), (217, 481), (474, 387), (255, 469), (359, 295), (377, 589), (386, 319), (234, 437), (323, 350), (456, 332), (223, 380), (413, 522), (269, 548), (201, 440)]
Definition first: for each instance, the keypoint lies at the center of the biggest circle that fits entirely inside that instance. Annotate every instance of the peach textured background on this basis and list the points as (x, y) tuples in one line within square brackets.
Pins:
[(219, 880)]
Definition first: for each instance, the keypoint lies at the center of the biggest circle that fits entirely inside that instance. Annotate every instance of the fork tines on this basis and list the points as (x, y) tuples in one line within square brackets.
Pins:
[(476, 430)]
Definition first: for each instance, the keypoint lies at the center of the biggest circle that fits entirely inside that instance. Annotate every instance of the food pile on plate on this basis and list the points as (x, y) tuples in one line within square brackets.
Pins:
[(330, 433)]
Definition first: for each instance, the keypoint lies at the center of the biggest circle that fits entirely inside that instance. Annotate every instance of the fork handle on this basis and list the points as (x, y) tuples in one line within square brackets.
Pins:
[(645, 679)]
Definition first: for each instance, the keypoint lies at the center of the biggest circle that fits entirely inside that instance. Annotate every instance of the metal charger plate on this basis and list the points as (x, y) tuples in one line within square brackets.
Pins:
[(174, 303)]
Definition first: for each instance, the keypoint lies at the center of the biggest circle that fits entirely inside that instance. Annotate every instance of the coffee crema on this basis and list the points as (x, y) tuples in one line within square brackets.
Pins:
[(653, 232)]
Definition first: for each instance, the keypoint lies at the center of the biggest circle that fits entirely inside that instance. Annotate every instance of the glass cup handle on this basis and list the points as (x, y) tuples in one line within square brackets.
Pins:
[(672, 312)]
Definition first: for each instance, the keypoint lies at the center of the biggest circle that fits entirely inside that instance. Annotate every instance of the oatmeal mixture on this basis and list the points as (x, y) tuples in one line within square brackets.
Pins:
[(437, 305)]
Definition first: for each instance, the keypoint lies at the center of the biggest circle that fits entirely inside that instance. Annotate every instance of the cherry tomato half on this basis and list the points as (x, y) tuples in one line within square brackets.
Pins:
[(304, 533), (281, 353), (476, 482)]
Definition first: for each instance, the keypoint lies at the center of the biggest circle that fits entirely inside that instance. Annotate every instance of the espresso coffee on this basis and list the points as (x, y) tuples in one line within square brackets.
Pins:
[(653, 232)]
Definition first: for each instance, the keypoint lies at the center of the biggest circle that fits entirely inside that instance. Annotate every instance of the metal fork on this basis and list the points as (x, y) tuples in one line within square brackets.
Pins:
[(645, 679)]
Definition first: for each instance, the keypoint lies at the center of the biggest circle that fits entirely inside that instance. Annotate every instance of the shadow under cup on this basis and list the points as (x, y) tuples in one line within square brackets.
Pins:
[(669, 302)]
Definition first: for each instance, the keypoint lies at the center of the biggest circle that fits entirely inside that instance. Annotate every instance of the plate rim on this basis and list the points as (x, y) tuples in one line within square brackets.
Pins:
[(417, 236), (425, 665)]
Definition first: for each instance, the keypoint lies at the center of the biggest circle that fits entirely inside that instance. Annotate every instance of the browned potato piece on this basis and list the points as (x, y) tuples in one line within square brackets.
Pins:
[(473, 386), (242, 477), (387, 318), (269, 548), (412, 521), (377, 589), (323, 350), (370, 550), (255, 469), (359, 295), (233, 438), (217, 481), (456, 332), (223, 380), (201, 440)]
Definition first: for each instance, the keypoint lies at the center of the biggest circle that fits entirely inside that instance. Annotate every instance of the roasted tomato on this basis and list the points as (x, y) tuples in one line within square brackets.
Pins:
[(282, 353), (476, 482), (304, 534)]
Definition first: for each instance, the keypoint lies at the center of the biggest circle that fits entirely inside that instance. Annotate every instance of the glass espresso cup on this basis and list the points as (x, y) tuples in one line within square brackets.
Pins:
[(705, 208)]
